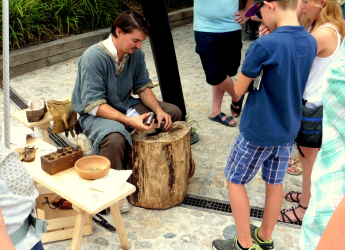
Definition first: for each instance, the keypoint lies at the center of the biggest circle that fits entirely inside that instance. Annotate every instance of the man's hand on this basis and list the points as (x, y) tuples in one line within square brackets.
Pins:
[(138, 122), (164, 116), (241, 18), (264, 30)]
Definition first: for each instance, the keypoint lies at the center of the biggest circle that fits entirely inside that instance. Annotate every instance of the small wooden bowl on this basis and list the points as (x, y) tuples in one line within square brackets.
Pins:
[(83, 166)]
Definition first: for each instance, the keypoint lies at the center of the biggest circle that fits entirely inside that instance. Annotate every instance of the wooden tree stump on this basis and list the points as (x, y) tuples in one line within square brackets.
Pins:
[(162, 163)]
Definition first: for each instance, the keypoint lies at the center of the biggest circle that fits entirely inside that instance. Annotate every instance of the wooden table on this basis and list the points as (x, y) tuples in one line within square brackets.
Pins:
[(44, 123), (75, 189)]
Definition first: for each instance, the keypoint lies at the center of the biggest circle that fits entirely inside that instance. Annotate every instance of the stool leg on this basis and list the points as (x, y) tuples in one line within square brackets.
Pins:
[(78, 229), (120, 228), (45, 134)]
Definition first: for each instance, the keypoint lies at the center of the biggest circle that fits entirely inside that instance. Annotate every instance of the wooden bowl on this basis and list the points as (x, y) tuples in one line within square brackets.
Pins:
[(92, 167)]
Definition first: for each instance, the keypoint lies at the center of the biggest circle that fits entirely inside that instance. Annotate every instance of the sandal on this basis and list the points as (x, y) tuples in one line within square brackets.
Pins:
[(226, 122), (297, 166), (284, 215), (237, 110), (293, 160), (289, 197)]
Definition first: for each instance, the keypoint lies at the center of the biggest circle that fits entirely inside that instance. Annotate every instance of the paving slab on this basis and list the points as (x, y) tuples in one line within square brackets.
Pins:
[(176, 228)]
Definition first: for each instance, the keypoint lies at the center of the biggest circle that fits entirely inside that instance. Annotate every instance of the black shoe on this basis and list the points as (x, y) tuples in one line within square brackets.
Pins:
[(230, 245), (267, 245)]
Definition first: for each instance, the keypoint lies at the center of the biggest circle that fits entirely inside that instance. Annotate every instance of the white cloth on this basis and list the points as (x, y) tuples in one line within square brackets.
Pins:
[(132, 113), (108, 43), (317, 82)]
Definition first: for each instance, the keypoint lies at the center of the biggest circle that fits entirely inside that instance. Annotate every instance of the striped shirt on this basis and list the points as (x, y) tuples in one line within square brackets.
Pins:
[(328, 175)]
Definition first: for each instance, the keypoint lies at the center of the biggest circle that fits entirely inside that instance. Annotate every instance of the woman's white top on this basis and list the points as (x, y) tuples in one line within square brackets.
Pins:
[(317, 83)]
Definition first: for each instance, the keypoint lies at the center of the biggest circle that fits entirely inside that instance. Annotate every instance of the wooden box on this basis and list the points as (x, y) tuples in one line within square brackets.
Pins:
[(60, 222), (54, 163)]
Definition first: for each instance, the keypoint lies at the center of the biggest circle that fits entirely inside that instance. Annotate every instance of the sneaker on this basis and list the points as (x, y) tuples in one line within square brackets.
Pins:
[(264, 245), (230, 245)]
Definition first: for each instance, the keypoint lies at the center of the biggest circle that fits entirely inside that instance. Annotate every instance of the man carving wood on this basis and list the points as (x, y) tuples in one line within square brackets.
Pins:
[(107, 73)]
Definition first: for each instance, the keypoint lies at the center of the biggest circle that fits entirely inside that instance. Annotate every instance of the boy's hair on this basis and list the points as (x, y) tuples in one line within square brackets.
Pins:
[(287, 4), (330, 13), (129, 21)]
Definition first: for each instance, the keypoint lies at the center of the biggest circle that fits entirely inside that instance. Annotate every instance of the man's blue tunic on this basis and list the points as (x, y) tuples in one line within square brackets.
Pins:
[(99, 81)]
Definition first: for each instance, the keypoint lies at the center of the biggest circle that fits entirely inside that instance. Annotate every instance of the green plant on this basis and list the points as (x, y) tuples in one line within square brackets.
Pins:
[(33, 21), (171, 4), (36, 21), (192, 122)]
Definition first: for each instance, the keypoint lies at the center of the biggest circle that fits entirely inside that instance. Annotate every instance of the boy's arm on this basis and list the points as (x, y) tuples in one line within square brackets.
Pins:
[(242, 84), (336, 226)]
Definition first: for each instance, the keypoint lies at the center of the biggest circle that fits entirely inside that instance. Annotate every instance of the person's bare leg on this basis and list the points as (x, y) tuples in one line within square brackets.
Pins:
[(307, 164), (228, 86), (241, 211), (273, 204), (217, 99), (218, 93)]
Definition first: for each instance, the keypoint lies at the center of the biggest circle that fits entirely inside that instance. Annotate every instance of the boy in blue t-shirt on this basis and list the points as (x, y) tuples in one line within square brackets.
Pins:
[(271, 118)]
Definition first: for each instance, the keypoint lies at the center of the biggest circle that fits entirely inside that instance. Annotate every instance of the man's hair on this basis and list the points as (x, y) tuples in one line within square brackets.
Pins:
[(287, 4), (129, 21)]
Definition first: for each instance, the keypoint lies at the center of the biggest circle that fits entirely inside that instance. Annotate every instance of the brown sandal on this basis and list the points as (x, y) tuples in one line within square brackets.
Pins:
[(297, 166), (293, 160), (284, 215)]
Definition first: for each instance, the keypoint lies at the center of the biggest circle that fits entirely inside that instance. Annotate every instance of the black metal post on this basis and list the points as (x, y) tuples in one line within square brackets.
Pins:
[(156, 15)]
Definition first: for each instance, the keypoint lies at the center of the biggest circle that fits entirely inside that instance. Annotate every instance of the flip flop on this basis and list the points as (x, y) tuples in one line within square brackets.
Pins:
[(237, 110), (218, 118), (297, 166)]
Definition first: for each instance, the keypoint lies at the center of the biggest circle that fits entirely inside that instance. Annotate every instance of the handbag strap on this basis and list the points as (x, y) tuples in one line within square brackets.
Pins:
[(39, 225), (20, 234)]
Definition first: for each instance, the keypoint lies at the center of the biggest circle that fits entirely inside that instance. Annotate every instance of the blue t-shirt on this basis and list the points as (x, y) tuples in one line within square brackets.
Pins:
[(216, 16), (272, 115)]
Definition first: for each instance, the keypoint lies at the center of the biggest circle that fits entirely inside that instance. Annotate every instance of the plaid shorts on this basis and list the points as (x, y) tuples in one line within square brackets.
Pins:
[(245, 160)]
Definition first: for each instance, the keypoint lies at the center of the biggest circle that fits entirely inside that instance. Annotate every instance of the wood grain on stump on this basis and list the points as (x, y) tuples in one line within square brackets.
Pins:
[(162, 163)]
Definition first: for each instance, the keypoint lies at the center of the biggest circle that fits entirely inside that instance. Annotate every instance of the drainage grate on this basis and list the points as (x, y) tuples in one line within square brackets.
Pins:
[(15, 98), (219, 206), (21, 103)]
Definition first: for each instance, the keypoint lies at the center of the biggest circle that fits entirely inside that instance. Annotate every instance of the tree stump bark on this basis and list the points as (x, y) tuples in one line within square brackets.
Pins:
[(162, 163)]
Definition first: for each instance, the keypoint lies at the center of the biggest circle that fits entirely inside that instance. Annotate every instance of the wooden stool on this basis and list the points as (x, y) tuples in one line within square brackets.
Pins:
[(162, 163), (70, 186)]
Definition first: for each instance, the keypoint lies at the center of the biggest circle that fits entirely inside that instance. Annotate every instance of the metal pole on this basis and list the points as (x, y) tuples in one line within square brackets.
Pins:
[(156, 15), (6, 70)]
